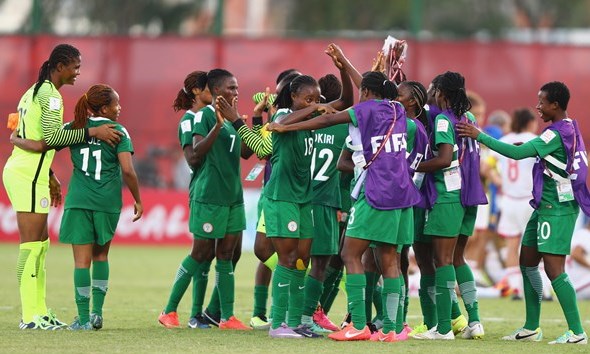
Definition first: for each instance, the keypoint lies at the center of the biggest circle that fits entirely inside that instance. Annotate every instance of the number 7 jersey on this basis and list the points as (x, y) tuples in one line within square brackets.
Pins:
[(96, 181)]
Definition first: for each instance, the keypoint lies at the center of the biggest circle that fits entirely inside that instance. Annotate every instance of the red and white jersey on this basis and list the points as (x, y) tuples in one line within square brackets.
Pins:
[(517, 177), (578, 274)]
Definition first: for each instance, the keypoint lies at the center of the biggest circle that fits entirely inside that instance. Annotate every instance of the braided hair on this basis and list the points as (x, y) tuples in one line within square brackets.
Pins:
[(185, 97), (62, 53), (452, 86), (292, 84), (90, 104), (330, 87), (378, 84), (420, 96)]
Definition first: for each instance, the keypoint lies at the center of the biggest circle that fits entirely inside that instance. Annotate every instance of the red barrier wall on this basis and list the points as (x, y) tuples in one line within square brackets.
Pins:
[(148, 73)]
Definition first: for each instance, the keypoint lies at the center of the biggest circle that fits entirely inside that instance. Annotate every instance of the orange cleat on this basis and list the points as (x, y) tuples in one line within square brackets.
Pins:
[(349, 333), (234, 324), (169, 320)]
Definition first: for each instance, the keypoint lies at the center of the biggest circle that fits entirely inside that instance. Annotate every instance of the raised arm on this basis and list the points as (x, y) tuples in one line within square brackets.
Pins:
[(336, 53), (130, 179), (346, 98)]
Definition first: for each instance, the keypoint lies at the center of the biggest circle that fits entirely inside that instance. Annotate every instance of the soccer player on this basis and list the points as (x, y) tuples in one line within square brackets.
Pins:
[(455, 168), (384, 193), (31, 185), (93, 203), (517, 183), (217, 216), (557, 198), (193, 97)]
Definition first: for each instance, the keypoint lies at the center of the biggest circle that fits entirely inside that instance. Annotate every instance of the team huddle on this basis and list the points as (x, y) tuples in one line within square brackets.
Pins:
[(347, 190)]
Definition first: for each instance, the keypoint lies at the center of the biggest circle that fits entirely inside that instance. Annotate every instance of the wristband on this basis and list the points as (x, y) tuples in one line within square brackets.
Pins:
[(238, 123), (86, 134)]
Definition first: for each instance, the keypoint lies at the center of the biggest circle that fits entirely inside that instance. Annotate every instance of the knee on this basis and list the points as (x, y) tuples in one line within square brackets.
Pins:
[(261, 252)]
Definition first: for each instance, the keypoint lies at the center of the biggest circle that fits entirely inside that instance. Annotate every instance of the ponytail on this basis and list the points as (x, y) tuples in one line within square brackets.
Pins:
[(62, 53), (185, 96), (90, 103)]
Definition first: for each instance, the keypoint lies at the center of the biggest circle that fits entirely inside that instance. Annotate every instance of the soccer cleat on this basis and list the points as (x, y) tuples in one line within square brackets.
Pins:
[(283, 331), (316, 328), (433, 334), (473, 332), (213, 319), (169, 320), (77, 326), (96, 321), (523, 334), (233, 324), (198, 321), (403, 335), (38, 323), (260, 322), (379, 336), (320, 317), (570, 338), (458, 324), (421, 328), (349, 333), (306, 332), (51, 318)]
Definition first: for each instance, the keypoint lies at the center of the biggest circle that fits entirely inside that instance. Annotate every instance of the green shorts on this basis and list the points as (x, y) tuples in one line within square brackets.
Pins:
[(550, 233), (406, 228), (26, 196), (286, 219), (419, 216), (83, 226), (380, 226), (215, 221), (325, 231), (450, 220)]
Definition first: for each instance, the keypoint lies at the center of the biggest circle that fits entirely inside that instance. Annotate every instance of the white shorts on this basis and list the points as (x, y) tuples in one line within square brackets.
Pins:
[(514, 215), (482, 219)]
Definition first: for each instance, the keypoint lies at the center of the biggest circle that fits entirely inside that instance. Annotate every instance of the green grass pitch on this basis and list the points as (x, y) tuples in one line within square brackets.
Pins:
[(139, 286)]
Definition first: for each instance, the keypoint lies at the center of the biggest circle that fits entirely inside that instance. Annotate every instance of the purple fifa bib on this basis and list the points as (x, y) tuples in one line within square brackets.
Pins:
[(388, 184), (472, 191), (576, 167), (422, 146)]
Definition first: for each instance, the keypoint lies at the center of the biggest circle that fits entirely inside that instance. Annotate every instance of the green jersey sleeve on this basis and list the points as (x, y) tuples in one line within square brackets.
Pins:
[(443, 131)]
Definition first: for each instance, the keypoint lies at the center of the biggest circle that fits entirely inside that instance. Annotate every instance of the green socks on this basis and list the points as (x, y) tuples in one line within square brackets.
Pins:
[(567, 299), (427, 293), (82, 293), (468, 292), (331, 288), (391, 299), (371, 279), (225, 287), (533, 294), (355, 288), (26, 273), (399, 321), (260, 298), (313, 291), (183, 278), (296, 295), (200, 281), (100, 285), (445, 292), (281, 282)]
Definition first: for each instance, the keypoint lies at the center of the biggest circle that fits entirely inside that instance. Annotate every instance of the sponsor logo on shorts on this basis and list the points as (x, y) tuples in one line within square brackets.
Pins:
[(292, 226), (44, 202), (208, 227)]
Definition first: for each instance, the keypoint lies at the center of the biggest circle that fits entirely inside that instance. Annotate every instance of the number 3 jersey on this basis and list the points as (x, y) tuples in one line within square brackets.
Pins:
[(96, 181)]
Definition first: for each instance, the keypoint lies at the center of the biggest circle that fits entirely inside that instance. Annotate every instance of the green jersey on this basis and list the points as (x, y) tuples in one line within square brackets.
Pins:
[(96, 180), (550, 148), (290, 179), (185, 136), (411, 131), (326, 177), (40, 118), (217, 181)]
